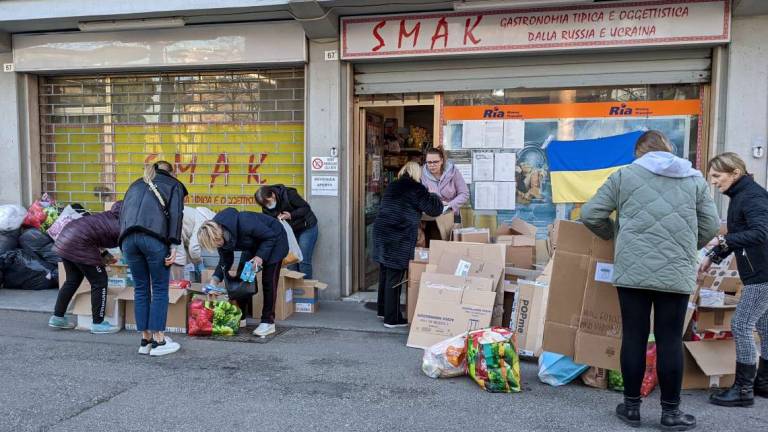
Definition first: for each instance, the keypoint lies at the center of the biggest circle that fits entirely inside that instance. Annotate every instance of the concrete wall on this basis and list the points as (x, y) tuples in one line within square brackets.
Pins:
[(323, 132), (10, 162), (747, 94)]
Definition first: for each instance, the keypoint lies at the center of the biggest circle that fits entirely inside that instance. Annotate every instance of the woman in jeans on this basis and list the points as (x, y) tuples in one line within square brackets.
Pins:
[(747, 238), (394, 236), (262, 241), (664, 214), (80, 245), (286, 204), (150, 232)]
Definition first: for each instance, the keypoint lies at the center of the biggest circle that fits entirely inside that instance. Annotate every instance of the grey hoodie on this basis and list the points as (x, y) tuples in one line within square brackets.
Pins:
[(668, 165)]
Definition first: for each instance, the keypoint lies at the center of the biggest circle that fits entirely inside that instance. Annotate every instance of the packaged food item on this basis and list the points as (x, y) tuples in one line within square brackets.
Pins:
[(249, 272), (492, 360), (446, 359)]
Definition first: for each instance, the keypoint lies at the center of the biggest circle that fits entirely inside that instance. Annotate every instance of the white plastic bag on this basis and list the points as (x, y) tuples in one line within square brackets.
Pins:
[(11, 217), (294, 251), (446, 359), (67, 215)]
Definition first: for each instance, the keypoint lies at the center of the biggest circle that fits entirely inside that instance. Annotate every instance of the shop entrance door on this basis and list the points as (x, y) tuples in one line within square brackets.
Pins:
[(390, 130)]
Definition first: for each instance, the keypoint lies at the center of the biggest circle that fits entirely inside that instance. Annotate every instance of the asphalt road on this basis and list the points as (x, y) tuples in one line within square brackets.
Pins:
[(304, 379)]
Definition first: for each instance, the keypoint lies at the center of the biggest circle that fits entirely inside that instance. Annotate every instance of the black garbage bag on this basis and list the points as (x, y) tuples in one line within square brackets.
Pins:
[(9, 240), (21, 270), (39, 244)]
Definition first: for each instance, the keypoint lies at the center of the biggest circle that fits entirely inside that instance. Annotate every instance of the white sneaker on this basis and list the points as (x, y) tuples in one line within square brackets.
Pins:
[(145, 347), (264, 329), (168, 347)]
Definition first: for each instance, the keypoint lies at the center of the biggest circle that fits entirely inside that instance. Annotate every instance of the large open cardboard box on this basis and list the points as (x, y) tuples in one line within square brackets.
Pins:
[(306, 295), (177, 310), (81, 308), (709, 363), (415, 270)]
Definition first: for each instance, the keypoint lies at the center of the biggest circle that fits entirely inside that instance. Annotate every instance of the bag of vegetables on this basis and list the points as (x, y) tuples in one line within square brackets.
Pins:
[(492, 360), (212, 317)]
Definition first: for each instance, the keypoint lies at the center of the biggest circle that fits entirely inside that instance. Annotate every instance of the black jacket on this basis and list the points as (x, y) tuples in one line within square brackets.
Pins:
[(142, 211), (396, 228), (253, 234), (748, 230), (289, 200)]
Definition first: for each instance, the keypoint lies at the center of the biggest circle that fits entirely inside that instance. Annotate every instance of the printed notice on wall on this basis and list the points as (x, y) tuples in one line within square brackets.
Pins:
[(494, 196), (472, 134), (482, 166), (325, 185), (466, 172), (494, 134), (514, 134), (504, 167)]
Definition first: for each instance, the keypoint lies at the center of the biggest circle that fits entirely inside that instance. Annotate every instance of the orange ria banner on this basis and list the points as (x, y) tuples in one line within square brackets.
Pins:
[(574, 110)]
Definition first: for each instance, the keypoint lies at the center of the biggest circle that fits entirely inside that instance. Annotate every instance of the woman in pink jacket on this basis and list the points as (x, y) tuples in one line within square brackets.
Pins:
[(442, 178)]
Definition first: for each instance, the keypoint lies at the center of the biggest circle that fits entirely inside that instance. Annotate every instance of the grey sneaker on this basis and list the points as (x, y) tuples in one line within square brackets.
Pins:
[(60, 323)]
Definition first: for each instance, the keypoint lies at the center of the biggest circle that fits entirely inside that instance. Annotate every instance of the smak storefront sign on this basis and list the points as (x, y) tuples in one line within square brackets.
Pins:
[(638, 23)]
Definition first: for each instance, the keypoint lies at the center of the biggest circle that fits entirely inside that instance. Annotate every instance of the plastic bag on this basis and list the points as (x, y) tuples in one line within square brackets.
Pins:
[(615, 381), (558, 370), (67, 215), (650, 379), (595, 377), (35, 216), (213, 317), (40, 245), (294, 251), (446, 359), (11, 217), (9, 240), (492, 360), (24, 271)]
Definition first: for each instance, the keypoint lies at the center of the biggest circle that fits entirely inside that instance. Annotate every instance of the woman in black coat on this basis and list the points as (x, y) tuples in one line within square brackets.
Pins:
[(262, 241), (747, 238), (286, 204), (394, 236)]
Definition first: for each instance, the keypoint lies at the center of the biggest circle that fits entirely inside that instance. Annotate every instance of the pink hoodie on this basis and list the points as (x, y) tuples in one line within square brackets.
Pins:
[(451, 186)]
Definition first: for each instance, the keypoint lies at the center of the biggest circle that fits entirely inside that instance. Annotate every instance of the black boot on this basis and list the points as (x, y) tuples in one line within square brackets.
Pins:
[(761, 382), (672, 419), (740, 394), (629, 411)]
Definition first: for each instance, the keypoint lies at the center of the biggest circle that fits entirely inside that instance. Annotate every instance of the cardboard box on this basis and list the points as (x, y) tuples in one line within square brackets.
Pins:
[(575, 260), (517, 230), (284, 299), (472, 235), (520, 256), (598, 339), (489, 255), (450, 305), (415, 270), (176, 322), (715, 318), (528, 315), (421, 255), (445, 223), (81, 308), (709, 363), (119, 276), (306, 295)]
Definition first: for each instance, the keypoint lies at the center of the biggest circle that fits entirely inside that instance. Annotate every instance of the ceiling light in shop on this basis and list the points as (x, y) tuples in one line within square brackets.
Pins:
[(467, 5), (134, 24), (498, 93)]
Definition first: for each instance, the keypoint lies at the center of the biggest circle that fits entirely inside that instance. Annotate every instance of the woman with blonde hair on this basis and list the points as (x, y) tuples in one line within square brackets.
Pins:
[(261, 240), (394, 236), (150, 231), (747, 239), (664, 215)]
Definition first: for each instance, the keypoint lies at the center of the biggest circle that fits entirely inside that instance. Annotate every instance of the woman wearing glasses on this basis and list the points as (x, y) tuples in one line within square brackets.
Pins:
[(442, 178)]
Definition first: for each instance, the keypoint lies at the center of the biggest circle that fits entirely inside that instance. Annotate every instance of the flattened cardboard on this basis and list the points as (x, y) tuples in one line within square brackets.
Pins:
[(574, 237), (415, 270), (490, 254), (529, 312), (710, 363), (566, 297), (598, 340), (520, 256), (715, 318), (450, 261), (450, 305)]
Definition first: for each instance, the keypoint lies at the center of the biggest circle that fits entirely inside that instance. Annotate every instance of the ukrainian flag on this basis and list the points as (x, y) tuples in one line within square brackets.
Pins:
[(578, 168)]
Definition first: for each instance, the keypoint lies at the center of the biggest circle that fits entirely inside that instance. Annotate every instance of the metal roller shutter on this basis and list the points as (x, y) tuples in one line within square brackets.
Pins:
[(541, 71), (226, 133)]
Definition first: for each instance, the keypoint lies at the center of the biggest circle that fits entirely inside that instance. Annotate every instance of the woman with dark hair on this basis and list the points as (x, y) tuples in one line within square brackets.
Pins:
[(286, 204), (394, 236), (747, 239), (81, 246), (150, 231), (664, 215)]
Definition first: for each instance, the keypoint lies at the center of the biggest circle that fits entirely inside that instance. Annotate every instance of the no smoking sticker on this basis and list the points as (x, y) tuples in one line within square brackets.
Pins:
[(324, 163)]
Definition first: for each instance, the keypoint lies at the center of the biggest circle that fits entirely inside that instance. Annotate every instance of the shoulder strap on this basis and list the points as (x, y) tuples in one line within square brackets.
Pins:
[(153, 188)]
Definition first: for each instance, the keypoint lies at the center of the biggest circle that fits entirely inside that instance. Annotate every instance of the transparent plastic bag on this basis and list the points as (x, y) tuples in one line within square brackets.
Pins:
[(294, 251), (446, 359), (11, 217)]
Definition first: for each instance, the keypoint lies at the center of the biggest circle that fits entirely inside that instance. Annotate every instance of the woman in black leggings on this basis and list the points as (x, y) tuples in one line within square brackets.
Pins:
[(665, 213)]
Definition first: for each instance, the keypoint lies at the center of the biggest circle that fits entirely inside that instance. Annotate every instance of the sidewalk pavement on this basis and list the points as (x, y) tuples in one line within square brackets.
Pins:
[(304, 379)]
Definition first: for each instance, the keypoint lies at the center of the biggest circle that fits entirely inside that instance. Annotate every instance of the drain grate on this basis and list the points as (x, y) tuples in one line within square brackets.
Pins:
[(245, 335)]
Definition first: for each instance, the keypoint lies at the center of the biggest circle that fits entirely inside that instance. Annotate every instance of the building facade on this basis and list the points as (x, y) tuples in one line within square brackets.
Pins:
[(332, 96)]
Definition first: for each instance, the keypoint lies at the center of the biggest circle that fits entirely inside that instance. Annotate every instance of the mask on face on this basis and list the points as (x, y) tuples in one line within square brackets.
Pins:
[(272, 205)]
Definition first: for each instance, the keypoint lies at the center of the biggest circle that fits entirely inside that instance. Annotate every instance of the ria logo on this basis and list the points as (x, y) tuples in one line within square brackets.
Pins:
[(620, 110)]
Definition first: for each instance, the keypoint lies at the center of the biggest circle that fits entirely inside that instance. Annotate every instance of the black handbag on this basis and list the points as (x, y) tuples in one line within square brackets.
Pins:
[(237, 288)]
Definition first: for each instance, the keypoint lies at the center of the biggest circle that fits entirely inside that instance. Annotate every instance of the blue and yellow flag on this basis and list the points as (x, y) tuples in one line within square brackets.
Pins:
[(578, 168)]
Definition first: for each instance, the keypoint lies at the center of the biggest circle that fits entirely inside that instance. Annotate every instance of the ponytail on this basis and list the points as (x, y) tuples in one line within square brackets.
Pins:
[(150, 171)]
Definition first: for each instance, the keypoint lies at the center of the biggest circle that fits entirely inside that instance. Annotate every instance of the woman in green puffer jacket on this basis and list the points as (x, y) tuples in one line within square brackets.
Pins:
[(664, 215)]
